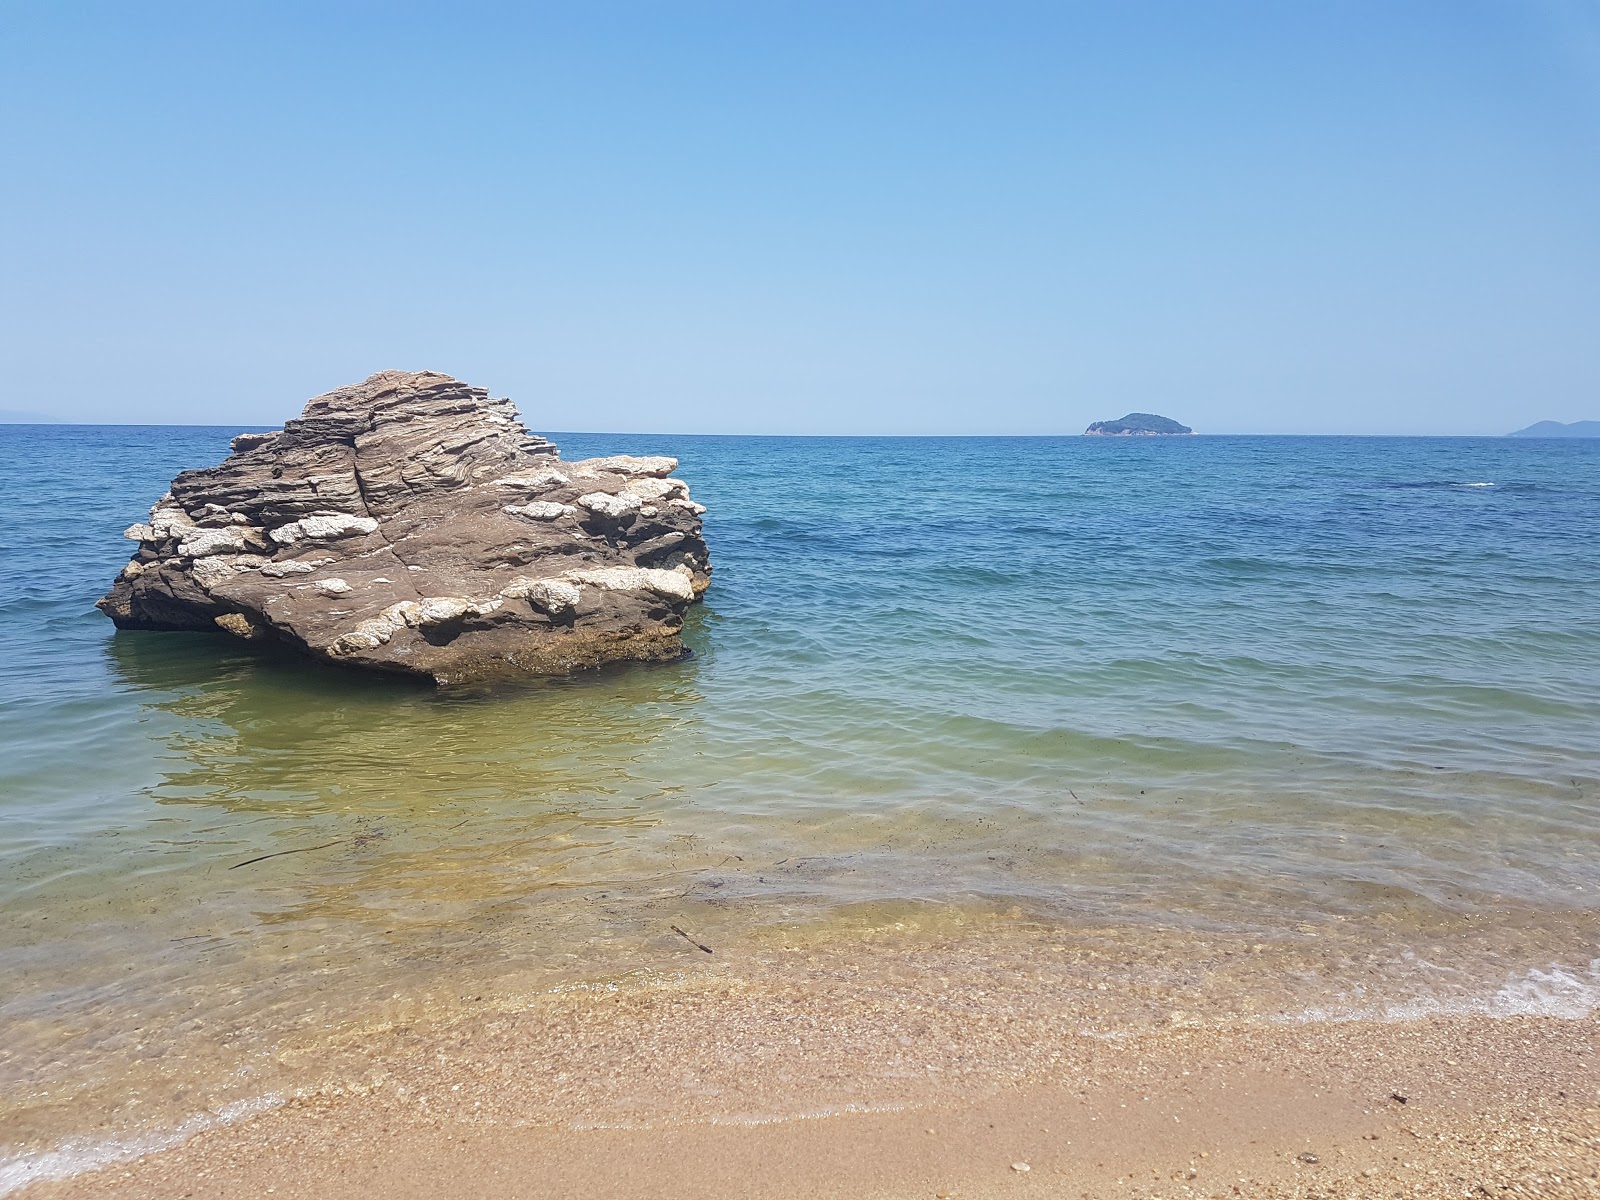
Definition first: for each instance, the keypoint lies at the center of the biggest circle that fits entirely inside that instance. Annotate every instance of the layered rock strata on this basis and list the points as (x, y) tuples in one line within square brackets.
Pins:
[(412, 524)]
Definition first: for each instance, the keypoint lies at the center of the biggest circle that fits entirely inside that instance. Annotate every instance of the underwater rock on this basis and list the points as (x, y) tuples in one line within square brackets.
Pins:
[(412, 524)]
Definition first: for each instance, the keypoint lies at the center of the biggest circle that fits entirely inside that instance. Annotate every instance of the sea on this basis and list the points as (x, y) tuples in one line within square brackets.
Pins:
[(1323, 713)]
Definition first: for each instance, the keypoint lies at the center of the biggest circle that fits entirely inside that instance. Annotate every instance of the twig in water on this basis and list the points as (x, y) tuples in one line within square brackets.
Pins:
[(280, 853), (691, 941)]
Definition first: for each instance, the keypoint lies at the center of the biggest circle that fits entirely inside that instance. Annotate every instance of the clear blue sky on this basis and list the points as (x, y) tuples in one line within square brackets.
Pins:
[(815, 218)]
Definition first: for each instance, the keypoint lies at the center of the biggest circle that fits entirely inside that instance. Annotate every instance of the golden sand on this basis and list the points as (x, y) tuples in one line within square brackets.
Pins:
[(897, 1070)]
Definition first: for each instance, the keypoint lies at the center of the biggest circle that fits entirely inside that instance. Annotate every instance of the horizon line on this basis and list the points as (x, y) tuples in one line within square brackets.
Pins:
[(263, 426)]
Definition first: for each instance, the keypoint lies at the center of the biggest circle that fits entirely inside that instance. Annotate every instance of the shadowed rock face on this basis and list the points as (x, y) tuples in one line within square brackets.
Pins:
[(412, 524)]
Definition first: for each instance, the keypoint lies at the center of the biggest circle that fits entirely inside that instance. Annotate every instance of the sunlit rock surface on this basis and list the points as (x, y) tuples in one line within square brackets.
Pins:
[(412, 524)]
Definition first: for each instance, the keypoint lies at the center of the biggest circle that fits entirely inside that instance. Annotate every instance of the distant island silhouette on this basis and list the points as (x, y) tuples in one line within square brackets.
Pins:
[(1137, 425), (1547, 429)]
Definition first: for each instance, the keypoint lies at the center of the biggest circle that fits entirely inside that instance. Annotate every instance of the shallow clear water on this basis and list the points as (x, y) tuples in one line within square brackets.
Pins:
[(1338, 697)]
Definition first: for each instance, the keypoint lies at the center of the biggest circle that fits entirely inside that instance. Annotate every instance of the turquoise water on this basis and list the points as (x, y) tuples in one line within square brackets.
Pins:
[(1340, 697)]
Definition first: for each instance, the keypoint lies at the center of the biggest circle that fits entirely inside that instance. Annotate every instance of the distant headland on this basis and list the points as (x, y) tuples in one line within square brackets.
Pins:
[(1542, 429), (1137, 425)]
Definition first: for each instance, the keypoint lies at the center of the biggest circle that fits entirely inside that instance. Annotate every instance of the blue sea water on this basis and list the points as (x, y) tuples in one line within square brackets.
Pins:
[(1336, 696)]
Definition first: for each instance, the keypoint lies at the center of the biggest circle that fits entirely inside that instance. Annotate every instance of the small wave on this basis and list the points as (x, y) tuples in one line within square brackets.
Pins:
[(77, 1155), (826, 1112), (1567, 993), (811, 1114)]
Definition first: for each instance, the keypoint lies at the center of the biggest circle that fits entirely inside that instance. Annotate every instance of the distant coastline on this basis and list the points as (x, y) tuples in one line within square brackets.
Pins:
[(1555, 429)]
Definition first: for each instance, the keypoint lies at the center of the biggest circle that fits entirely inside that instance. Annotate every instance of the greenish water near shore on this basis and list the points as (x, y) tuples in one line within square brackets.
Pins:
[(1334, 698)]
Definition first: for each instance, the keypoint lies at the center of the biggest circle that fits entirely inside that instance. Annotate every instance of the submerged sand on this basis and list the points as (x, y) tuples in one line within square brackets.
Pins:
[(961, 1069)]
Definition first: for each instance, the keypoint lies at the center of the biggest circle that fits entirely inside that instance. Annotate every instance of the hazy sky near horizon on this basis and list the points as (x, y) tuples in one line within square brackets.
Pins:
[(857, 217)]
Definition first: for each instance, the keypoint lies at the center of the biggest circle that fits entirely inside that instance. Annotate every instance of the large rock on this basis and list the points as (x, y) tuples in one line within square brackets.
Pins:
[(412, 524)]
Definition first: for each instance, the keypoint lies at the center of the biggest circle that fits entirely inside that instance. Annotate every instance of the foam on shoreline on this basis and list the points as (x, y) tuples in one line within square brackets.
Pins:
[(1559, 992), (76, 1156)]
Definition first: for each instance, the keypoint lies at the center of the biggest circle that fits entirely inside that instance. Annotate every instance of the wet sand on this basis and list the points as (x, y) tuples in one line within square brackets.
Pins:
[(876, 1083)]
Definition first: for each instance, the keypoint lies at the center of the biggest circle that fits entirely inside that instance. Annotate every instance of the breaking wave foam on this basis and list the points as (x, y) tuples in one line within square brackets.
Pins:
[(77, 1155), (1568, 993)]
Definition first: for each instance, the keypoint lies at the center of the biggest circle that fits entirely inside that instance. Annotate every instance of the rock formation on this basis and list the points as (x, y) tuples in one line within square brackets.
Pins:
[(1137, 425), (412, 524)]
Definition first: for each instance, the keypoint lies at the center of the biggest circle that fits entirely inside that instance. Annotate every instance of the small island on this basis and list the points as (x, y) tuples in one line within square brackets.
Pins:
[(1137, 425)]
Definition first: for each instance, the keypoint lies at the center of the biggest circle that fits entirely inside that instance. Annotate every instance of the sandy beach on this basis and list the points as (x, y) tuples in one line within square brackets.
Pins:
[(870, 1079)]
